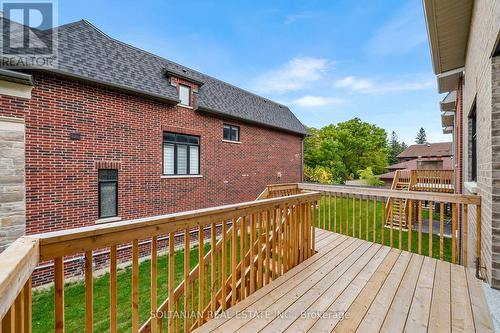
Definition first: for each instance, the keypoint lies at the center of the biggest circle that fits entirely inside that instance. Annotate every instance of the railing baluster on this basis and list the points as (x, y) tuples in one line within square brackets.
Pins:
[(431, 222), (354, 216), (329, 211), (347, 214), (252, 254), (453, 231), (420, 227), (187, 254), (234, 243), (400, 239), (154, 283), (213, 269), (201, 276), (135, 286), (391, 230), (334, 212), (171, 275), (324, 210), (341, 216), (112, 289), (375, 204), (260, 272), (88, 292), (59, 293), (410, 223), (465, 233), (224, 266), (27, 306), (268, 250), (382, 236), (367, 215), (360, 226), (441, 230), (19, 312)]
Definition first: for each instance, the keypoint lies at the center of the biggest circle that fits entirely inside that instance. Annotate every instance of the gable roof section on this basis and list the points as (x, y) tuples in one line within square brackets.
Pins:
[(427, 150), (86, 53)]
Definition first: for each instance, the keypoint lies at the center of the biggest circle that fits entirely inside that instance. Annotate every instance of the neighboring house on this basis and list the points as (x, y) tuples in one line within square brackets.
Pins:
[(464, 41), (429, 156), (114, 132)]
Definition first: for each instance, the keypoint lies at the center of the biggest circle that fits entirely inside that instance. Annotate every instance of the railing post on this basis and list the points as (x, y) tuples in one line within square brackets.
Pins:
[(478, 241)]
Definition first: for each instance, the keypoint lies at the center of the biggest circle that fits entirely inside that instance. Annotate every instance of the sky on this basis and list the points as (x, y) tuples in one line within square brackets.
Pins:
[(328, 60)]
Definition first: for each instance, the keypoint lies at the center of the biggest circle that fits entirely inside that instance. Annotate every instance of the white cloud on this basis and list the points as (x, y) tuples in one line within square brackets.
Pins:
[(296, 74), (370, 86), (316, 101), (401, 33), (294, 17)]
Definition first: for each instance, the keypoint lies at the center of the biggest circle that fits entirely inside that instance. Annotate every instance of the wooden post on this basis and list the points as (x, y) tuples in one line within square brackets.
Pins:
[(59, 294), (112, 289), (466, 234), (171, 276), (187, 255), (441, 230), (224, 266), (135, 286), (88, 293)]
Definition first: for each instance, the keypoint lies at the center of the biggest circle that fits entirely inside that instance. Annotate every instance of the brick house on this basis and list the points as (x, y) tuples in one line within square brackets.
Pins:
[(464, 42), (114, 132), (429, 156)]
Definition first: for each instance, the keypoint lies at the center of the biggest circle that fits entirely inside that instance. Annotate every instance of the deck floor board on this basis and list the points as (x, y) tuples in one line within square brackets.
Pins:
[(352, 285)]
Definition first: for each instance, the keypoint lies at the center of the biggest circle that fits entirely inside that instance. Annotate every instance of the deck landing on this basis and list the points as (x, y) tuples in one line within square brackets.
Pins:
[(352, 285)]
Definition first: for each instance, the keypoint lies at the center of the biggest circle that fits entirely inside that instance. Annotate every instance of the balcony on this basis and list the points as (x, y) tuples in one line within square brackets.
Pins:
[(302, 257)]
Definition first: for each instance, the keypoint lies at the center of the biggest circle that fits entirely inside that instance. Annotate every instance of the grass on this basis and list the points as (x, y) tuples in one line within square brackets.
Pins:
[(74, 296), (327, 222)]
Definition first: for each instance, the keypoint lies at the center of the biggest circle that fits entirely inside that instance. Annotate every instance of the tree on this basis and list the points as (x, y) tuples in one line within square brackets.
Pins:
[(421, 136), (317, 174), (346, 148), (371, 179), (394, 148)]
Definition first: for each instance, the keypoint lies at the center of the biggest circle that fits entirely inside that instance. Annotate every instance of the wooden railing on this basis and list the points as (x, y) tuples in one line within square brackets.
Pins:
[(433, 181), (359, 212), (260, 240)]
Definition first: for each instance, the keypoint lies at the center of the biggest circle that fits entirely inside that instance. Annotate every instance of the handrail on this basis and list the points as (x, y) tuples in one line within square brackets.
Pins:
[(70, 241), (415, 195), (17, 263)]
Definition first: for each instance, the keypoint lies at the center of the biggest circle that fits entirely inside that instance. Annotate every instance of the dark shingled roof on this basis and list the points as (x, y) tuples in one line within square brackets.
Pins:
[(87, 53), (427, 150)]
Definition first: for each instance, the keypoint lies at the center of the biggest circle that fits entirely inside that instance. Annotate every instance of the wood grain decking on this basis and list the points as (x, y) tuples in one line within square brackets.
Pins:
[(352, 285)]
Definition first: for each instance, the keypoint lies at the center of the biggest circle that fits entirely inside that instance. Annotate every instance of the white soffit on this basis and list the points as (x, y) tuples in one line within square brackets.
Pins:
[(449, 102), (448, 23), (448, 81)]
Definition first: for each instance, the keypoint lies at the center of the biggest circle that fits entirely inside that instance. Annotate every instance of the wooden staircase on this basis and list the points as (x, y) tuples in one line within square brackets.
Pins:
[(396, 208)]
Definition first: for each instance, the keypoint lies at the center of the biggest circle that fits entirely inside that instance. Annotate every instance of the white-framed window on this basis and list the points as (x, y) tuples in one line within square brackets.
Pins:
[(185, 95), (181, 154)]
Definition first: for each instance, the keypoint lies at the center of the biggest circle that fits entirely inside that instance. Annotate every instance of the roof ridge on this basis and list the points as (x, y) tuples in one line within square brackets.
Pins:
[(173, 62)]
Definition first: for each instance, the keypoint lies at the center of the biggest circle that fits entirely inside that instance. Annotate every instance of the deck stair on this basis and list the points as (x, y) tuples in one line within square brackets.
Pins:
[(396, 209)]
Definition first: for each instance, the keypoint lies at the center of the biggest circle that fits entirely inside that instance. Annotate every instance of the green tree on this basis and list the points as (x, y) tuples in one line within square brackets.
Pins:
[(371, 179), (421, 136), (346, 148), (394, 148), (318, 174)]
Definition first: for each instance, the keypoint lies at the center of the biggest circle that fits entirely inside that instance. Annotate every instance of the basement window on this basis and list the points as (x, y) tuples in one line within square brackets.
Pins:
[(108, 193), (231, 133), (184, 95)]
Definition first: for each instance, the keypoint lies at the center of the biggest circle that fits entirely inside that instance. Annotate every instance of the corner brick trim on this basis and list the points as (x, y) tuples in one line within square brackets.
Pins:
[(108, 165)]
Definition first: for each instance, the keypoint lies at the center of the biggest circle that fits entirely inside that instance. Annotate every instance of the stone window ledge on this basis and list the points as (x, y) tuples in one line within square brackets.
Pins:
[(108, 220), (471, 187)]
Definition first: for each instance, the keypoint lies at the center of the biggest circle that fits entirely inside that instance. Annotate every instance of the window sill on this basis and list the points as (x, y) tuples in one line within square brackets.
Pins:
[(108, 220), (181, 176), (471, 187), (229, 141), (185, 106)]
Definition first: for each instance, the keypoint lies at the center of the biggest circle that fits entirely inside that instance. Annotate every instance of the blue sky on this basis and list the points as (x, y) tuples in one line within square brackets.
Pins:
[(329, 61)]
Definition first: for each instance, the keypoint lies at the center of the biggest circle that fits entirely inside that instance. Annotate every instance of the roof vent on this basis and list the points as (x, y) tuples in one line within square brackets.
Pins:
[(184, 70)]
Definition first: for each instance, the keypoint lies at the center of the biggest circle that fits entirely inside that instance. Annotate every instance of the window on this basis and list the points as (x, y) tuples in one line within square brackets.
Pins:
[(108, 193), (184, 95), (231, 133), (181, 154), (473, 165)]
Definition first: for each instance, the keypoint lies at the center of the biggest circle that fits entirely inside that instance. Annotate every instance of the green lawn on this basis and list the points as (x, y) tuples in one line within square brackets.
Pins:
[(74, 297), (329, 222)]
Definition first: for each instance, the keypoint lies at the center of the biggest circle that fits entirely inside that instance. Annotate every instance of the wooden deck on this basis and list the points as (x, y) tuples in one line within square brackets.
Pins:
[(351, 285)]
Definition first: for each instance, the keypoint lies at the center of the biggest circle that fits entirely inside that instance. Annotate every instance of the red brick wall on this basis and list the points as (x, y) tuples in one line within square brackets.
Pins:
[(126, 132)]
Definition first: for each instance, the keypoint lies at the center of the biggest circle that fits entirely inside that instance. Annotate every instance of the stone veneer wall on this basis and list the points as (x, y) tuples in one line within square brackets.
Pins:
[(12, 181)]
